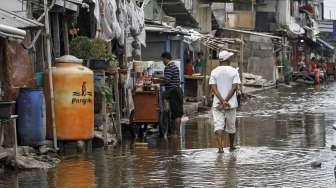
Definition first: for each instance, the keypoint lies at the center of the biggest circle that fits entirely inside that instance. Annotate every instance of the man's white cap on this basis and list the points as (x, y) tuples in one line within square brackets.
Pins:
[(224, 55)]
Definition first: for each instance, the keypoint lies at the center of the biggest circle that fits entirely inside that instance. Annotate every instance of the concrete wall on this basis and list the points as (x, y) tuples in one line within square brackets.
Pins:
[(241, 19), (280, 7), (261, 59), (203, 17)]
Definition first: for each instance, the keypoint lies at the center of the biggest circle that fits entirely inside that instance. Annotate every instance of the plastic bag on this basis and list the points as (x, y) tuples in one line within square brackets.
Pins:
[(110, 27), (122, 19)]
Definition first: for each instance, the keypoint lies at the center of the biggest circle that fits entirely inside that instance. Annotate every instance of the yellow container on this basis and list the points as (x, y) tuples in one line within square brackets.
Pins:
[(74, 100)]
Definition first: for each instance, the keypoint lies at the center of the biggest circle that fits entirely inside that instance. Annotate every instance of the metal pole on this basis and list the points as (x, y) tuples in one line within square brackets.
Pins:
[(51, 88)]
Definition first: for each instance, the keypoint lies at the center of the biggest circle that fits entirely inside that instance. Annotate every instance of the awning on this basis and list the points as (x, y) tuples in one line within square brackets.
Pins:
[(326, 44), (14, 20), (11, 32), (11, 25)]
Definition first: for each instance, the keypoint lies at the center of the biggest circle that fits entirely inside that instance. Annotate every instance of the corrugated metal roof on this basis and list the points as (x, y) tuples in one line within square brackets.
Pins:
[(178, 10), (14, 20)]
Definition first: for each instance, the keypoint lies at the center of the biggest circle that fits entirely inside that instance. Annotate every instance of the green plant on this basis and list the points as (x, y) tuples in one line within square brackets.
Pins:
[(99, 48), (81, 47), (112, 60), (105, 91)]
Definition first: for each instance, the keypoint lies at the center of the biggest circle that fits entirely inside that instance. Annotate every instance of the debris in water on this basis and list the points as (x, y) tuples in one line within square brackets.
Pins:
[(334, 126), (28, 158), (333, 147), (316, 164)]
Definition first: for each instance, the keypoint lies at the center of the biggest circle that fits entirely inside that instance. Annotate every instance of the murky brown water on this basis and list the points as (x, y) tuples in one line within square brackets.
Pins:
[(281, 132)]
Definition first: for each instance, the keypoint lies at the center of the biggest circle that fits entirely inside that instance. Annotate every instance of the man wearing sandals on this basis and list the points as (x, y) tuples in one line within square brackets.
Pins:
[(224, 81)]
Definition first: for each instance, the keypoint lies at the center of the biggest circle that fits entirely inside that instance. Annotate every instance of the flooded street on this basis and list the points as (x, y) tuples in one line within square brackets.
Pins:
[(280, 132)]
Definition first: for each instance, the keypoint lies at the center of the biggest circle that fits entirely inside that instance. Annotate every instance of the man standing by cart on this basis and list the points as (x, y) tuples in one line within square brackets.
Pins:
[(224, 81), (173, 92)]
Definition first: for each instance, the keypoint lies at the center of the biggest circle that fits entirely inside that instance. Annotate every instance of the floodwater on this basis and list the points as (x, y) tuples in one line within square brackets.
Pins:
[(280, 132)]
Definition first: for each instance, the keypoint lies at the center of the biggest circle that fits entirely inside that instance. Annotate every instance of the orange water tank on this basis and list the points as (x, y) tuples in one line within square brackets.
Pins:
[(74, 101)]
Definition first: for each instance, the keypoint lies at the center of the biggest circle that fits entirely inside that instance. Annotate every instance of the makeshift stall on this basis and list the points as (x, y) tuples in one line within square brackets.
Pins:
[(149, 106), (146, 102)]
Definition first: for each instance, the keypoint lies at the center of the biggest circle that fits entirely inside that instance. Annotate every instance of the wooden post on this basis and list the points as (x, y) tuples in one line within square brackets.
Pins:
[(65, 35), (241, 64), (104, 113), (46, 23), (55, 34), (116, 89), (15, 137)]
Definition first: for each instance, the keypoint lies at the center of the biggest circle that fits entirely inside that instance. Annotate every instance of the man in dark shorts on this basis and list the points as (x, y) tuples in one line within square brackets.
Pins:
[(173, 92)]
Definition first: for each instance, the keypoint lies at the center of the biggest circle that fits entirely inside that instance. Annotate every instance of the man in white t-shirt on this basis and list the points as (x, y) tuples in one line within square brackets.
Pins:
[(224, 81)]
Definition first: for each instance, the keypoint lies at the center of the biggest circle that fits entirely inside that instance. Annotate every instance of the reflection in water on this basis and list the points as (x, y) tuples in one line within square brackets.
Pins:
[(315, 130), (73, 174), (279, 135), (145, 161), (37, 179), (228, 177)]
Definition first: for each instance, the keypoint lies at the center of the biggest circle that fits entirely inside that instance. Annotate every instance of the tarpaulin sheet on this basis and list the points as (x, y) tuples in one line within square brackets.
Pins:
[(18, 69)]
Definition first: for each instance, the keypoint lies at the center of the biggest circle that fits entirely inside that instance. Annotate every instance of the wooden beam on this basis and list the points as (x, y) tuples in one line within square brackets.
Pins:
[(178, 13), (116, 89), (252, 33), (55, 34), (241, 64), (65, 35), (104, 113), (171, 3)]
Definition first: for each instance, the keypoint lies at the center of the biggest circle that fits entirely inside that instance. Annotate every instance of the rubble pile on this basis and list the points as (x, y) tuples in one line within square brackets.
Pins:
[(30, 158), (256, 80)]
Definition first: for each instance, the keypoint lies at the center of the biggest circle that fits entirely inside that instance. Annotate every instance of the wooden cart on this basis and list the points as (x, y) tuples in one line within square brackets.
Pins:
[(150, 109), (146, 107)]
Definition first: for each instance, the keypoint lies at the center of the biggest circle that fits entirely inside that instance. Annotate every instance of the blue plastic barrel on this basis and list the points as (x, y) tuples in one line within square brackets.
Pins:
[(31, 127)]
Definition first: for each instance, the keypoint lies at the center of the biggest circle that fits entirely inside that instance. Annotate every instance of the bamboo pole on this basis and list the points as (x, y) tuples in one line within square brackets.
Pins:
[(241, 64), (51, 88)]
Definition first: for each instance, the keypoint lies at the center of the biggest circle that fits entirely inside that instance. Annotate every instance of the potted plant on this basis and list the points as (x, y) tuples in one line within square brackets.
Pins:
[(112, 62), (81, 47), (104, 91), (98, 52)]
